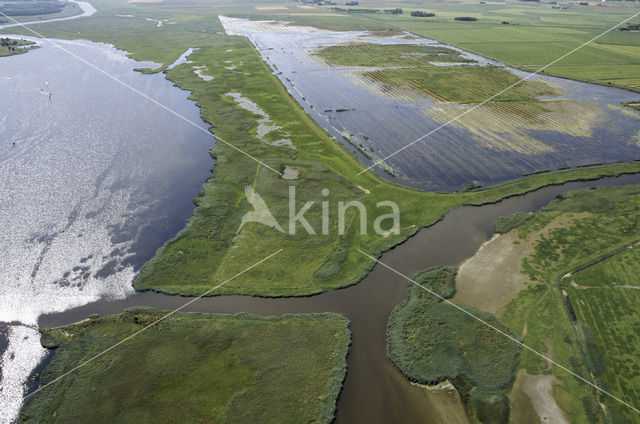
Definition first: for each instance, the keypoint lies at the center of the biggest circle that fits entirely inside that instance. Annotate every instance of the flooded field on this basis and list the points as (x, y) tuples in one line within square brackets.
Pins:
[(363, 107)]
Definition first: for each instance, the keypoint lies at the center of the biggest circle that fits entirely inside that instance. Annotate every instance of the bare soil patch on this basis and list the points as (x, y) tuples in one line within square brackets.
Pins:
[(492, 277), (532, 400)]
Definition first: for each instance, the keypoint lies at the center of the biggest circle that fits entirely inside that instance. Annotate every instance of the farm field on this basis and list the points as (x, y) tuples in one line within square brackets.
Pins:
[(527, 35), (195, 367)]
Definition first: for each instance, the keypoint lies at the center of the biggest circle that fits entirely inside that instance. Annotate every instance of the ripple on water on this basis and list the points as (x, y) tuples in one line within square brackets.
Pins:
[(94, 184)]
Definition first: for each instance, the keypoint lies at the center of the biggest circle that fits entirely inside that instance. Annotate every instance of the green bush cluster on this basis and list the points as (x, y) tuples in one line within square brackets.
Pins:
[(431, 341)]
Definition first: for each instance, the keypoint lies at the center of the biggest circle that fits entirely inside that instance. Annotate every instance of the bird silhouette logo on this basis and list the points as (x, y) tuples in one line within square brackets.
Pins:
[(260, 212)]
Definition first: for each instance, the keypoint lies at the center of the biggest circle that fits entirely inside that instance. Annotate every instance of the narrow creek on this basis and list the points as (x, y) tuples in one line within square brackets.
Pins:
[(374, 391)]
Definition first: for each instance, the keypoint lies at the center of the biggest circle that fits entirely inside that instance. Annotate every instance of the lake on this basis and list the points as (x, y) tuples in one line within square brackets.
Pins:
[(93, 179)]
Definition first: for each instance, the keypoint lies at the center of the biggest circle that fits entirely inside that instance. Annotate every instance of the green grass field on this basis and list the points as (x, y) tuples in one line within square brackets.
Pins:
[(367, 54), (601, 346), (431, 341), (606, 301), (536, 35), (194, 368), (463, 84)]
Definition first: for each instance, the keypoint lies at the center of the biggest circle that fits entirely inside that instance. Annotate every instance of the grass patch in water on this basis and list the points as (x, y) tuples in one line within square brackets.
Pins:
[(194, 368), (12, 46), (377, 55), (462, 84)]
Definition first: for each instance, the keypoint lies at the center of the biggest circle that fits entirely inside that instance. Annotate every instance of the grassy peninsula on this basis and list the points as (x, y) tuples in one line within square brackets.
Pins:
[(12, 46), (194, 368), (30, 11)]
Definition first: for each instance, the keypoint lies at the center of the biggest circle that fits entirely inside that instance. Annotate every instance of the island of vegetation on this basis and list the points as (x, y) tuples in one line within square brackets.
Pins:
[(431, 342), (12, 46), (22, 11), (194, 368), (388, 55)]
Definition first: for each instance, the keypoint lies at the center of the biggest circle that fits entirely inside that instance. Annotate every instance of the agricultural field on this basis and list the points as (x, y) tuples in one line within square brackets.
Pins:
[(526, 35), (195, 368), (530, 35), (431, 342)]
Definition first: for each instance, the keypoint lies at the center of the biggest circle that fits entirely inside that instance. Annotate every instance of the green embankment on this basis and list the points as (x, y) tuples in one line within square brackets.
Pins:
[(582, 228), (210, 249), (194, 368), (431, 341)]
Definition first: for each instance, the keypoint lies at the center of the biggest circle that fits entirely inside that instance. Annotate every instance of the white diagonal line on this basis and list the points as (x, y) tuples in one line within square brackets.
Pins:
[(494, 96), (152, 100), (546, 358), (150, 325)]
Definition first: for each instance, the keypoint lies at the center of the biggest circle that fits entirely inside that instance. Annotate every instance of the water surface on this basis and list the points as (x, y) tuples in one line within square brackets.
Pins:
[(93, 179)]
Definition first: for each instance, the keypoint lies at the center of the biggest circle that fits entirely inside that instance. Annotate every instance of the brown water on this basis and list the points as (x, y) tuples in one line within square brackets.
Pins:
[(374, 390)]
